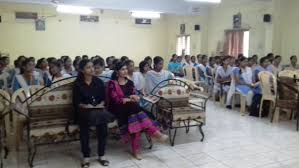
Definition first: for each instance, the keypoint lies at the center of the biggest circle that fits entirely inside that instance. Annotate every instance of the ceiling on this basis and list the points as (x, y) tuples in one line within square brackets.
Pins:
[(165, 6)]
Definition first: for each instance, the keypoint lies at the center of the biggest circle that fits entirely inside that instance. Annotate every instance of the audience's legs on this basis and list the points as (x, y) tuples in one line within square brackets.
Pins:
[(84, 140), (135, 143), (243, 104), (101, 137), (249, 97)]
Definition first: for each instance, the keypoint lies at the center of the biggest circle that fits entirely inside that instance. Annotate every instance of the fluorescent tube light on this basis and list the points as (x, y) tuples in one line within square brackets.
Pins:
[(146, 14), (74, 9), (208, 1)]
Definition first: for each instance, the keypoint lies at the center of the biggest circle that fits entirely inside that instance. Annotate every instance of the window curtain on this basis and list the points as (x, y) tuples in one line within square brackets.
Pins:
[(233, 45)]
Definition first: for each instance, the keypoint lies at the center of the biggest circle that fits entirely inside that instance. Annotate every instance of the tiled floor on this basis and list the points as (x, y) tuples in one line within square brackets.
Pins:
[(232, 141)]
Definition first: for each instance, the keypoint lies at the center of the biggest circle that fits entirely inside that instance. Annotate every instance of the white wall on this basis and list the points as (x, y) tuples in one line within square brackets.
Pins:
[(286, 34), (198, 38), (115, 34), (221, 18)]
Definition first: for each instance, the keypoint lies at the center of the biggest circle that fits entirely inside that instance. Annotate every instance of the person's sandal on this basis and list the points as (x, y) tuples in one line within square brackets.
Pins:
[(85, 165), (137, 156), (103, 162)]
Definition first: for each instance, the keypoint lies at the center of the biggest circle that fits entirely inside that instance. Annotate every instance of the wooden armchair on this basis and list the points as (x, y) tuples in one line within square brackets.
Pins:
[(44, 115), (287, 98), (5, 105)]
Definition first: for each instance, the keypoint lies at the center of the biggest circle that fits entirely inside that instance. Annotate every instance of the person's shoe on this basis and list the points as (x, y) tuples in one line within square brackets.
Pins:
[(229, 107), (137, 156), (163, 138), (85, 163), (103, 161)]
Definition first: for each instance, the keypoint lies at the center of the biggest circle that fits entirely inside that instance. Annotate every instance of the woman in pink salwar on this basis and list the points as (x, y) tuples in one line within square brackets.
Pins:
[(123, 103)]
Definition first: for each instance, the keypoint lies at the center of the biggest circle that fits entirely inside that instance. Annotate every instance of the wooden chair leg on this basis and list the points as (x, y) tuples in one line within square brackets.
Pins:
[(275, 117)]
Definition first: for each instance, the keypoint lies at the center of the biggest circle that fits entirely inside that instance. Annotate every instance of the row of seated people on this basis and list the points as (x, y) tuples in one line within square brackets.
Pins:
[(27, 71), (227, 75), (207, 66), (89, 92)]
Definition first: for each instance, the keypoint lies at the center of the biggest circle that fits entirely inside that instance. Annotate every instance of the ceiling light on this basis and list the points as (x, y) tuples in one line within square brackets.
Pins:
[(74, 9), (146, 14), (208, 1)]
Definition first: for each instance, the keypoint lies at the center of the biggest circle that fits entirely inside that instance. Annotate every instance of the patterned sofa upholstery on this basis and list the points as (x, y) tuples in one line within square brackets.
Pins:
[(175, 109)]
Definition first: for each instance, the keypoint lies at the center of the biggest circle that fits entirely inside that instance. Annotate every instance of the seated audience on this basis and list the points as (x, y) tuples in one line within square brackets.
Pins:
[(26, 76), (149, 60), (242, 79), (68, 66), (76, 66), (175, 67), (187, 61), (109, 63), (42, 68), (293, 64), (124, 58), (157, 75), (85, 57), (55, 71), (275, 67), (264, 63), (202, 67), (223, 77), (193, 61), (210, 71), (136, 77), (255, 60), (198, 56), (88, 97), (99, 69), (5, 77), (123, 102)]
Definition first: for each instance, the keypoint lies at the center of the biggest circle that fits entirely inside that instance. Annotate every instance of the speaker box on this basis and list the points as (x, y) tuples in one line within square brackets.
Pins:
[(267, 18), (197, 27)]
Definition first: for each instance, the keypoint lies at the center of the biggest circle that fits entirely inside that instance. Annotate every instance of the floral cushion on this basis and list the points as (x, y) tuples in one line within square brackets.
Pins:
[(173, 92)]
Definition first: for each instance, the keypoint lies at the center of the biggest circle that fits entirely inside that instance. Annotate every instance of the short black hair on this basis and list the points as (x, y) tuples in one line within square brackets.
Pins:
[(99, 62), (85, 57), (158, 59), (263, 59), (148, 58), (142, 64), (277, 56), (108, 58), (128, 62), (76, 62), (203, 57), (124, 58), (293, 56)]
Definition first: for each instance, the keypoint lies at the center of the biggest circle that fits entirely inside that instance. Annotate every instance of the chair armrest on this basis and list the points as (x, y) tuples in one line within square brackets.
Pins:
[(19, 110)]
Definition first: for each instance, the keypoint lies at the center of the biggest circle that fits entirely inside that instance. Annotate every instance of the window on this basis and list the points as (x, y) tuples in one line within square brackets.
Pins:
[(246, 44), (183, 45), (236, 42)]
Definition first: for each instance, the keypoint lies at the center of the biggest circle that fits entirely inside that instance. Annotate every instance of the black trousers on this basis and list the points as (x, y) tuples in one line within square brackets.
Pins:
[(101, 131)]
